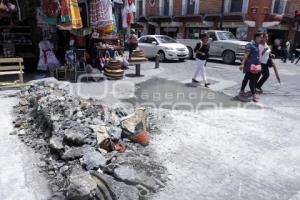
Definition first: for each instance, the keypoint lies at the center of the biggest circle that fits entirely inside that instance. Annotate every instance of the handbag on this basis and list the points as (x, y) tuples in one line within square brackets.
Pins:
[(255, 69)]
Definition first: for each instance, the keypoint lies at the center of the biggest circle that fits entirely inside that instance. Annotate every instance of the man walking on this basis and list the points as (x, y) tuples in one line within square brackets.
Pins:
[(201, 50)]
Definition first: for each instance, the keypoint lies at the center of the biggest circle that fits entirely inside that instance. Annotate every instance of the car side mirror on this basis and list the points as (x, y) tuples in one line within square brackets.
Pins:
[(154, 43)]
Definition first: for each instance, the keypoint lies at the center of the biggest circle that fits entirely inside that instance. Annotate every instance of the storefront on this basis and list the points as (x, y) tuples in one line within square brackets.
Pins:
[(194, 29), (54, 31), (239, 29), (170, 29)]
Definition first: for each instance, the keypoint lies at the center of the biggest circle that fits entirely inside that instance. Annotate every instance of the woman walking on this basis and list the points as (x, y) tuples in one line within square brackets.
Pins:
[(250, 66), (201, 50), (265, 56)]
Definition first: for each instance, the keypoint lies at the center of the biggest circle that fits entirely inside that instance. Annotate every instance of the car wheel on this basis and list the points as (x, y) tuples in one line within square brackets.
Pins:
[(181, 59), (162, 56), (228, 57), (191, 53)]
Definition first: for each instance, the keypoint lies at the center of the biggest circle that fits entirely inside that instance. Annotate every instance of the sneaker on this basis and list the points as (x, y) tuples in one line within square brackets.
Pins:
[(242, 93), (195, 81), (254, 98), (206, 85), (259, 90)]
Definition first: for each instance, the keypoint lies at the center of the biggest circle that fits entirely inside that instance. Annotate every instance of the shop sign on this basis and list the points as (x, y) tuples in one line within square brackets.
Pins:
[(170, 29), (171, 24), (195, 24), (234, 24)]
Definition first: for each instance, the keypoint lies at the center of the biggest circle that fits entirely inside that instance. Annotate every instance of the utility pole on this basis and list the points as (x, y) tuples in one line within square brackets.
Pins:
[(297, 23), (222, 15)]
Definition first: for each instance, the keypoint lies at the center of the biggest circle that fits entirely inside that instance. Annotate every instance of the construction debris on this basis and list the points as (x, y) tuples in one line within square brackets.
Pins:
[(76, 135)]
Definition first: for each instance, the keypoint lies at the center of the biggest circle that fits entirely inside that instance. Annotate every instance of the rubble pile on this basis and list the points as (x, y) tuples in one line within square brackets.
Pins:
[(89, 151)]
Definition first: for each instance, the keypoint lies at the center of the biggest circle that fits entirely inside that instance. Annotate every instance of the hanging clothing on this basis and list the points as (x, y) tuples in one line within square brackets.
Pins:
[(84, 13), (50, 10), (74, 13), (64, 12), (118, 14), (101, 13), (48, 60), (40, 18), (128, 14)]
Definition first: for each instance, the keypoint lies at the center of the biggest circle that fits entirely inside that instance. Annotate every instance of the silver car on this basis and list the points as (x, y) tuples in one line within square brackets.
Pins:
[(166, 47)]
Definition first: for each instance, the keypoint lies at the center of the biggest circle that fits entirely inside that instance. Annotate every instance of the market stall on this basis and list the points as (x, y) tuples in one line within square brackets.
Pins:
[(98, 29)]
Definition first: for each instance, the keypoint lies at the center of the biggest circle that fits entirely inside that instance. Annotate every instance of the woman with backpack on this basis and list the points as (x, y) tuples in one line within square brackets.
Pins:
[(201, 50), (251, 66)]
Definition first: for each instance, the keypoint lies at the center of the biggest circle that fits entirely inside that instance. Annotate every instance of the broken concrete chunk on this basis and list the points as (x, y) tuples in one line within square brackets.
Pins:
[(148, 182), (93, 160), (82, 185), (56, 143), (75, 137), (76, 152), (23, 102), (135, 122), (57, 196), (125, 174), (121, 190)]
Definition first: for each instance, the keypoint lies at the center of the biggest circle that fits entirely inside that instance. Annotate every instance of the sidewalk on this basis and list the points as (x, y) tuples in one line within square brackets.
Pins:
[(20, 177)]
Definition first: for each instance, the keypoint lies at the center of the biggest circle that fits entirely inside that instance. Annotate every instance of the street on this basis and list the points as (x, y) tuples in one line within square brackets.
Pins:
[(213, 146)]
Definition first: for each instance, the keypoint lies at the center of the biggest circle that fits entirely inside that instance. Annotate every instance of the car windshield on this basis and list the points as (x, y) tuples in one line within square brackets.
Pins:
[(165, 39), (226, 36)]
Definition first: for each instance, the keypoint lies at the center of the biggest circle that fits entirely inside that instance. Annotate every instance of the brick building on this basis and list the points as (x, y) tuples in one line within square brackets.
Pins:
[(188, 18)]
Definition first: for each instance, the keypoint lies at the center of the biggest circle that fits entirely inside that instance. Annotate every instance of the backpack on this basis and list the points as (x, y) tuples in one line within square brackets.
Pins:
[(132, 41)]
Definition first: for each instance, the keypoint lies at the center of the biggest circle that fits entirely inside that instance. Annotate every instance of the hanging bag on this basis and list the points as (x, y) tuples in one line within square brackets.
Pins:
[(255, 69)]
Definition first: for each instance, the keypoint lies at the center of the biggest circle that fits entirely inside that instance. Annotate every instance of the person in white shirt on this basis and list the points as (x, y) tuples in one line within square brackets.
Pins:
[(265, 55)]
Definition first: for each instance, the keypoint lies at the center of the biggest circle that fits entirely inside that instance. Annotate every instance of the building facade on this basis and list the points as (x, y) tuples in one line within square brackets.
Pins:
[(189, 18)]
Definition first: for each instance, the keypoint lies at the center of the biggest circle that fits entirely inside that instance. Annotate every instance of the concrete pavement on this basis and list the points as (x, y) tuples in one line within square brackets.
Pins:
[(19, 175)]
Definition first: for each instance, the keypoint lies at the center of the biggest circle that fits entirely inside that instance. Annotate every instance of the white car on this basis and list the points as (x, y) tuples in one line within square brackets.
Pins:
[(167, 48)]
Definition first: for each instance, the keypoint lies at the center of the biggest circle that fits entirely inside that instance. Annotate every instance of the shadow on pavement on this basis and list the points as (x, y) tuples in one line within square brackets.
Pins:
[(162, 93)]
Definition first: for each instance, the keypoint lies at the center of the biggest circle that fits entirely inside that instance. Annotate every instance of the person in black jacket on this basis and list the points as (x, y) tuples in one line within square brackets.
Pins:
[(201, 50)]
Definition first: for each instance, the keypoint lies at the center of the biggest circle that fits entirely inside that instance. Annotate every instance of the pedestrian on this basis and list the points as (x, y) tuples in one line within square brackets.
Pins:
[(289, 49), (132, 43), (286, 45), (250, 66), (201, 50), (265, 60)]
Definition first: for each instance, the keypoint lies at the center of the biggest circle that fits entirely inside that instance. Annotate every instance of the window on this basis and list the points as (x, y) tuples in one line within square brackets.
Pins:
[(191, 7), (213, 36), (166, 7), (232, 6), (165, 39), (139, 8), (236, 6), (276, 6), (143, 40), (151, 39), (226, 36), (279, 6)]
